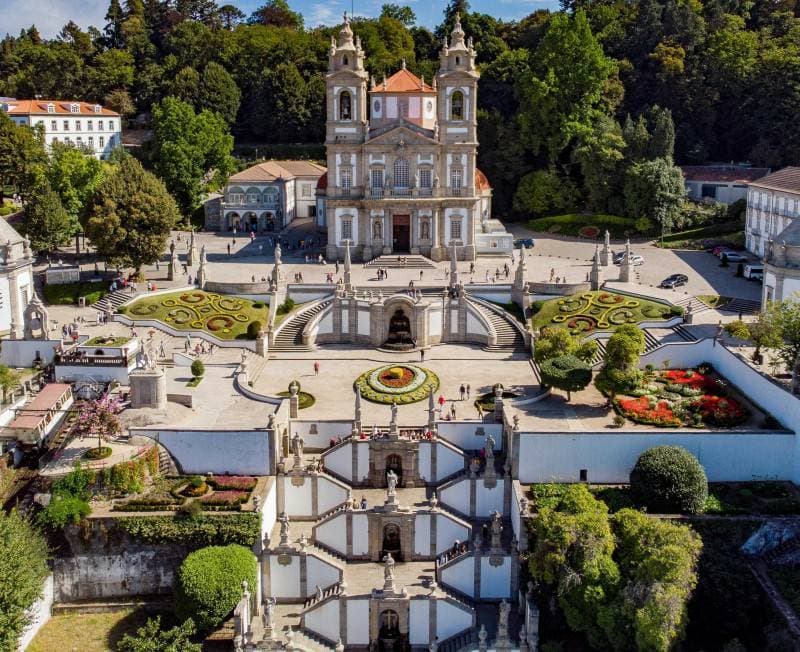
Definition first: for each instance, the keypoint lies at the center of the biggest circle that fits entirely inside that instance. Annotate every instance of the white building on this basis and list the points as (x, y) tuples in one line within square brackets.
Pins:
[(773, 202), (720, 183), (16, 280), (69, 121), (266, 197)]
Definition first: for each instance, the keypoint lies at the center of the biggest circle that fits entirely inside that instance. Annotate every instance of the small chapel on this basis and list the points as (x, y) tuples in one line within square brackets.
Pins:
[(401, 154)]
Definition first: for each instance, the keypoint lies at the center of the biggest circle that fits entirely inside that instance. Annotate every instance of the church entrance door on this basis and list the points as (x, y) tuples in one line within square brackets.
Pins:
[(401, 233)]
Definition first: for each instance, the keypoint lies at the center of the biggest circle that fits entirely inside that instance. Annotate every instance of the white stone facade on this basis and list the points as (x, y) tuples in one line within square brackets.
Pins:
[(16, 280), (773, 202), (71, 122)]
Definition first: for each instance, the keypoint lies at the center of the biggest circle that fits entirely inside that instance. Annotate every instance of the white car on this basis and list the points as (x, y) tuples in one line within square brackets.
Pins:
[(733, 257), (636, 259)]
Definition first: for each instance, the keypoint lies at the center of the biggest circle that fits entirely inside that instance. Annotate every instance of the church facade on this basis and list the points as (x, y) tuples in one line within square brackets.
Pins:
[(401, 157)]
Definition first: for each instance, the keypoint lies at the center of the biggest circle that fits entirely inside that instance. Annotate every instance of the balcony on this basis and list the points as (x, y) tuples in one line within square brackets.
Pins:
[(358, 192), (76, 359), (245, 205)]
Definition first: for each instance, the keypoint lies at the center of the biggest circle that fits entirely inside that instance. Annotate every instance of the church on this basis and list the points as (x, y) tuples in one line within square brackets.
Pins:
[(401, 159)]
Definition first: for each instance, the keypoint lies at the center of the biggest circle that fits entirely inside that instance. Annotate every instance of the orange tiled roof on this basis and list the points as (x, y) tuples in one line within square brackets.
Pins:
[(322, 182), (39, 107), (273, 170), (403, 81), (481, 182), (32, 414)]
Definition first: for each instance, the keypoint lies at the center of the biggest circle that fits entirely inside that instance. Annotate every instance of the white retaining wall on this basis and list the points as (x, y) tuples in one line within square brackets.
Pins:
[(324, 431), (21, 353), (333, 534), (451, 619), (462, 434), (39, 612), (422, 534), (448, 530), (419, 616), (460, 575), (495, 580), (320, 573), (269, 510), (360, 526), (324, 619), (284, 580), (237, 452), (357, 622)]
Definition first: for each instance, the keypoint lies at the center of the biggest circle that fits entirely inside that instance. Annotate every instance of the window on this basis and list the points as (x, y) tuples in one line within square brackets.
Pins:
[(102, 141), (456, 176), (111, 125), (51, 108), (252, 197), (401, 173), (305, 190), (347, 229), (90, 125), (455, 229), (425, 179), (74, 108), (235, 198), (77, 125), (79, 140), (53, 125), (91, 142), (457, 105), (24, 294), (97, 108), (100, 125), (345, 106), (708, 190), (346, 176), (376, 178), (584, 475), (66, 125)]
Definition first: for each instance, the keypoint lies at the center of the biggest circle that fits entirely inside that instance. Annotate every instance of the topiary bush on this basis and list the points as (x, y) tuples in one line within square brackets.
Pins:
[(253, 329), (208, 583), (567, 373), (669, 479), (198, 368)]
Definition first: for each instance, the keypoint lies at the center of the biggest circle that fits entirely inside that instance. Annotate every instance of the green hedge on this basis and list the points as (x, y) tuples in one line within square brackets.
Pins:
[(208, 584), (572, 223), (711, 231), (67, 294), (565, 372), (669, 479), (243, 529)]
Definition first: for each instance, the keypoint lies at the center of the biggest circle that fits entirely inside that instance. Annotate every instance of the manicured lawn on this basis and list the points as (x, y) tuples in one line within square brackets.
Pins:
[(67, 294), (102, 340), (87, 632), (693, 238), (225, 317), (592, 227), (583, 313), (713, 300)]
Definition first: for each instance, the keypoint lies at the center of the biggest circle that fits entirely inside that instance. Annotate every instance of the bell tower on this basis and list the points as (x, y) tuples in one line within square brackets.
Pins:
[(457, 85), (346, 88)]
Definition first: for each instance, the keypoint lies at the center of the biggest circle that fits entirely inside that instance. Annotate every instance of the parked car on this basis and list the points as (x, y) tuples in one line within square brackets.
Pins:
[(636, 259), (733, 257), (528, 243), (754, 272), (674, 281), (617, 257), (718, 251)]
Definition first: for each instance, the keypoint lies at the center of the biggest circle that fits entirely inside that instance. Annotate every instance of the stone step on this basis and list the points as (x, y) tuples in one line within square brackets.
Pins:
[(411, 262), (744, 306)]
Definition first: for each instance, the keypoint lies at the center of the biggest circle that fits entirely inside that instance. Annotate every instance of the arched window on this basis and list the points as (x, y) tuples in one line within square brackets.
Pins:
[(345, 106), (345, 61), (401, 173), (457, 105)]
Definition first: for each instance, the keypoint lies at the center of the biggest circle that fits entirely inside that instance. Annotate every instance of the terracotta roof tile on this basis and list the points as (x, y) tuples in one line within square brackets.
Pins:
[(62, 107), (33, 413), (481, 182), (273, 170), (787, 179), (728, 173), (403, 81)]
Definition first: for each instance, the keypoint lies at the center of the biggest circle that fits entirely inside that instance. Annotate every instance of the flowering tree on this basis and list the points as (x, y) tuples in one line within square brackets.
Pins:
[(101, 418)]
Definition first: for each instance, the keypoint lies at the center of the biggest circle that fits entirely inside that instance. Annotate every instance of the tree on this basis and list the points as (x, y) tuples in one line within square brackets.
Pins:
[(151, 638), (131, 215), (198, 368), (600, 153), (566, 88), (119, 100), (786, 316), (23, 568), (554, 342), (217, 91), (208, 584), (112, 69), (662, 139), (669, 479), (22, 156), (655, 189), (100, 418), (278, 14), (403, 13), (75, 177), (47, 223), (764, 332), (567, 373), (9, 381), (230, 16), (544, 192), (620, 372), (188, 149)]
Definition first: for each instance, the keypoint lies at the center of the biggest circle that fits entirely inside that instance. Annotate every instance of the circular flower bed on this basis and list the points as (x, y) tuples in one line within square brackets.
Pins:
[(405, 383), (98, 453), (219, 322), (304, 399), (193, 297), (589, 231)]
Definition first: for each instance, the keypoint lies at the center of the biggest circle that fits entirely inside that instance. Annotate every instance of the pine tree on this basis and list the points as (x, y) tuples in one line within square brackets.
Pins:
[(114, 18), (47, 223)]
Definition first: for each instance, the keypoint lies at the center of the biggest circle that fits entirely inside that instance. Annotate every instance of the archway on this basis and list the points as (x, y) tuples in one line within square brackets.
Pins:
[(233, 221), (398, 334), (395, 463), (391, 542), (251, 221), (389, 637), (269, 221)]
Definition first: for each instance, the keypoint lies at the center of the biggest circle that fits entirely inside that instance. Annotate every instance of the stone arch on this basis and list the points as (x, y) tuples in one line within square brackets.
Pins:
[(457, 105), (393, 309), (345, 105), (233, 221)]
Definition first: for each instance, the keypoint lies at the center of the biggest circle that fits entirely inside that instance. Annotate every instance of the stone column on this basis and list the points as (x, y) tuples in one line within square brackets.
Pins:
[(626, 267), (596, 275), (498, 403)]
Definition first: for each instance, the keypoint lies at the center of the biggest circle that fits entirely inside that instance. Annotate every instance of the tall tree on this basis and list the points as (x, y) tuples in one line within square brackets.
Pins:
[(74, 176), (278, 14), (217, 91), (230, 16), (403, 13), (114, 18), (656, 190), (131, 215), (190, 150), (47, 223), (22, 156)]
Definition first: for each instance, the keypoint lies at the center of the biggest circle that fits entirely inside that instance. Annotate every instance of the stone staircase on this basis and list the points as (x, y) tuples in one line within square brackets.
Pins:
[(114, 300), (650, 341), (290, 334), (696, 305), (411, 262), (305, 640), (509, 336), (684, 333), (165, 463), (744, 306)]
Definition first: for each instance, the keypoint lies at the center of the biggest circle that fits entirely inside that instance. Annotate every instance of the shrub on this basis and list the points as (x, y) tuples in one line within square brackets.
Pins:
[(240, 482), (198, 368), (196, 531), (151, 638), (644, 225), (64, 510), (257, 305), (286, 307), (253, 329), (669, 479), (566, 373), (208, 583), (77, 482)]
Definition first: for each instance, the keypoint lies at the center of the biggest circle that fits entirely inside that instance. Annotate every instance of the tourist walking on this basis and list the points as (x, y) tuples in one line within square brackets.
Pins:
[(468, 390), (229, 249), (422, 355), (316, 368), (463, 391)]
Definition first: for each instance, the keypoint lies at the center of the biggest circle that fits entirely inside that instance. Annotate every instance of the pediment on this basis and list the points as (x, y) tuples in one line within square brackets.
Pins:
[(402, 134)]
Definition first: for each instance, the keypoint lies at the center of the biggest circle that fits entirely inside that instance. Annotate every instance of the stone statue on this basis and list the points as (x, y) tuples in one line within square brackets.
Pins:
[(388, 569), (394, 412), (297, 445), (377, 230), (607, 240), (268, 616), (425, 230), (278, 254), (284, 521), (502, 620), (490, 442), (391, 481), (496, 530)]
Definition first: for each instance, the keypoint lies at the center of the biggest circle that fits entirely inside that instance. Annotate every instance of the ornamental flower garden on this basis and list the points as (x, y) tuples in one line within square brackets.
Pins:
[(400, 383), (584, 313), (225, 317), (695, 398)]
